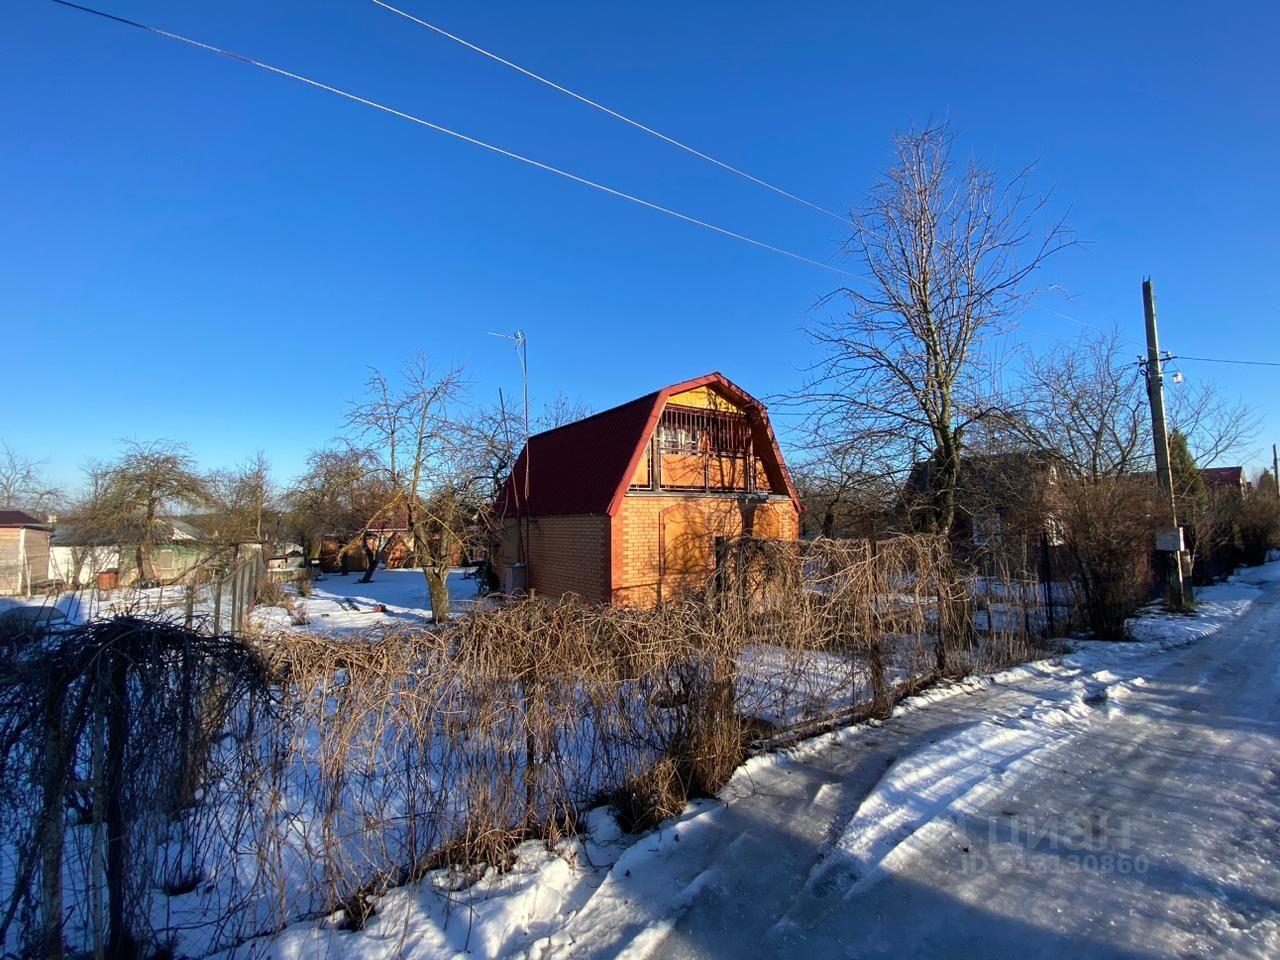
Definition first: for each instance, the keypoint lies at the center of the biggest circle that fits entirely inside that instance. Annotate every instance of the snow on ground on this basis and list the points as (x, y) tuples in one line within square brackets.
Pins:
[(343, 606), (339, 606), (88, 603), (784, 861)]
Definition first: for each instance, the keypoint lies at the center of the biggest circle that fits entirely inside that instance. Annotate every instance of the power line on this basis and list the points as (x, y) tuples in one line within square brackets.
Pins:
[(460, 136), (1251, 363), (613, 113)]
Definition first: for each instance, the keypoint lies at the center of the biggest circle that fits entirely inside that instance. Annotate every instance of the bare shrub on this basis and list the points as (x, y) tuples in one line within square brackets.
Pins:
[(431, 753), (133, 709), (651, 796), (1109, 533), (272, 593), (1259, 520)]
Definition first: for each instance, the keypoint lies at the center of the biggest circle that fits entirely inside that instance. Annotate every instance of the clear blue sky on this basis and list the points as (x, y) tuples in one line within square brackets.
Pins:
[(195, 249)]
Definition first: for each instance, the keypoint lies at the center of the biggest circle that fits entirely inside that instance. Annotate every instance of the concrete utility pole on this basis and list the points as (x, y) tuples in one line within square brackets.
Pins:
[(1170, 540), (1275, 469)]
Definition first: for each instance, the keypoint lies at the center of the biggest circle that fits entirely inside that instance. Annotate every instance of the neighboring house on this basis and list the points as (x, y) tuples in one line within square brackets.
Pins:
[(1004, 510), (1226, 479), (77, 556), (630, 505), (390, 539), (24, 552), (286, 556)]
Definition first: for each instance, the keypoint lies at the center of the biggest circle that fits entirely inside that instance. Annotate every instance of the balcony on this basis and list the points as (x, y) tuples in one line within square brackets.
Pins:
[(697, 450)]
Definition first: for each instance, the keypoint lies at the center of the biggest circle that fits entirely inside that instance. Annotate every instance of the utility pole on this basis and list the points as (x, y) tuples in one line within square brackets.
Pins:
[(1170, 540), (1275, 469)]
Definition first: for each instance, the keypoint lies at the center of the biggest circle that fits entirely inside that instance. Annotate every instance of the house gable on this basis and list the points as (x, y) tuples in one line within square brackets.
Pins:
[(715, 392), (586, 467)]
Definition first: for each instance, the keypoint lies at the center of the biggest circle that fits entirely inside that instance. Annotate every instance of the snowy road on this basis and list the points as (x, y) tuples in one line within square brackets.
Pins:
[(1125, 803)]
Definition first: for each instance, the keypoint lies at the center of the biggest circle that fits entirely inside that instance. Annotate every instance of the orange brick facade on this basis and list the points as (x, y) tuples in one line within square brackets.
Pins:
[(665, 544), (656, 546)]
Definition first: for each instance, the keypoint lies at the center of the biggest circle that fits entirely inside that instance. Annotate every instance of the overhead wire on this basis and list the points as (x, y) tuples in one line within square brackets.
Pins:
[(1250, 363), (337, 91), (611, 112), (584, 181)]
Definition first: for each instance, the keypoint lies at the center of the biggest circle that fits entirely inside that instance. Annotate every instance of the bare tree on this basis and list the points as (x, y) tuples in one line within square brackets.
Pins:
[(1087, 404), (561, 410), (843, 494), (336, 496), (950, 254), (244, 499), (1216, 428), (149, 478), (23, 485), (411, 431)]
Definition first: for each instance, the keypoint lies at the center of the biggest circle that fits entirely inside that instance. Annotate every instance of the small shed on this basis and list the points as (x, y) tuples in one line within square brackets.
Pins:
[(24, 552)]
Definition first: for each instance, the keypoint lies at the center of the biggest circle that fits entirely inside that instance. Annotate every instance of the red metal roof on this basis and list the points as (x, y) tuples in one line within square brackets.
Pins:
[(585, 467), (1223, 476)]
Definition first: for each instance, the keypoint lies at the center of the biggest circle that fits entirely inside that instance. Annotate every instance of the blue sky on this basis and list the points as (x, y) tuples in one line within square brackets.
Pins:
[(196, 249)]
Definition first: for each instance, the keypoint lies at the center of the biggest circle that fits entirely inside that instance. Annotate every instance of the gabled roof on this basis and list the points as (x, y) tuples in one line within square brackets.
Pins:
[(19, 518), (585, 467), (167, 530)]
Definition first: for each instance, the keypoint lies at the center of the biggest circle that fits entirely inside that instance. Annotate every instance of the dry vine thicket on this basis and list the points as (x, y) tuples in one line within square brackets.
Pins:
[(317, 773)]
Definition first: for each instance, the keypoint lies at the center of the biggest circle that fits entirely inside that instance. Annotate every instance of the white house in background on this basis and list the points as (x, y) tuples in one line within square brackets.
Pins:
[(75, 561), (24, 552), (76, 557)]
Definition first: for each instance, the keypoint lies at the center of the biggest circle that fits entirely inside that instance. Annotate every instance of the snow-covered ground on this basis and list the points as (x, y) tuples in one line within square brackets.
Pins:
[(342, 606), (1121, 800), (87, 603)]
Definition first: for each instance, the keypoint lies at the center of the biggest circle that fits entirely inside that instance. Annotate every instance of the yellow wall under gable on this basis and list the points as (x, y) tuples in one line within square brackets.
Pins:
[(705, 398)]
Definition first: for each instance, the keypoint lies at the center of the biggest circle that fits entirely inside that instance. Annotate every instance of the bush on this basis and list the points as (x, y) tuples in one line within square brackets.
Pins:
[(272, 593), (1109, 533), (1259, 526)]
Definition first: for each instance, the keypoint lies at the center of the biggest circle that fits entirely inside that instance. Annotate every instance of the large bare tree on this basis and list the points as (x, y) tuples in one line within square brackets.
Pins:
[(149, 479), (416, 441), (949, 253)]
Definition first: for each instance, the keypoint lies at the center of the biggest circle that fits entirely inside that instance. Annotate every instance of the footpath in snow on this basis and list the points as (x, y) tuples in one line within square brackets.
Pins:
[(1121, 800)]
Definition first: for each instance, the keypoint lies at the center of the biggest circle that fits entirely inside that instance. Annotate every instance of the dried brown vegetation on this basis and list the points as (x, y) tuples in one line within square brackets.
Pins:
[(356, 766)]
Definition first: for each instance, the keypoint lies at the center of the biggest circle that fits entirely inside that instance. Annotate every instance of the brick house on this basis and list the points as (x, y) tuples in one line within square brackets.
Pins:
[(629, 505)]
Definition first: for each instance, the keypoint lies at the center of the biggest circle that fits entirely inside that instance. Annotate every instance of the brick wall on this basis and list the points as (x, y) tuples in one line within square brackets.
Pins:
[(566, 555), (622, 560), (648, 526)]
